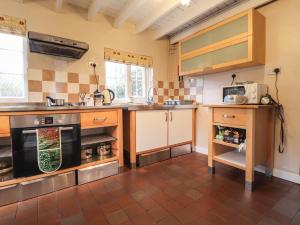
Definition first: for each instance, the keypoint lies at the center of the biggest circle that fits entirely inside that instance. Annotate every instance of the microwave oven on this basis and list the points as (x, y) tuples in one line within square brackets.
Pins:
[(251, 92)]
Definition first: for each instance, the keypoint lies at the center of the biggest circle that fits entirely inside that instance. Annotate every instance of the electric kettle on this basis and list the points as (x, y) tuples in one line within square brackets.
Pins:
[(108, 96)]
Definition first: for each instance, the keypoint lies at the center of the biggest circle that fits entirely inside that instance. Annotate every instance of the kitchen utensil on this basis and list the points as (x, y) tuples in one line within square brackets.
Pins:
[(86, 153), (82, 98), (98, 99), (108, 96), (55, 102), (5, 165), (104, 149)]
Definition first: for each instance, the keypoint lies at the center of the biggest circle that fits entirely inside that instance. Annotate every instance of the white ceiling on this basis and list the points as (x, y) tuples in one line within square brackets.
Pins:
[(164, 17)]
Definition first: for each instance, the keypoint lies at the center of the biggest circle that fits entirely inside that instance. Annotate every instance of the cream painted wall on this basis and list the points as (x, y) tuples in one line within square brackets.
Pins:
[(283, 49), (72, 23)]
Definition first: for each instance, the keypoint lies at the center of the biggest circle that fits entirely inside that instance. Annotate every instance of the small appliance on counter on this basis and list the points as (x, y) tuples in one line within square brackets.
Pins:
[(108, 96), (244, 93)]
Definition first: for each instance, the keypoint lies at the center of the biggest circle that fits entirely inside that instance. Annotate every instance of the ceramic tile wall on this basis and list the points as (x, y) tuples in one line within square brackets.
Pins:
[(188, 89), (63, 85), (67, 85)]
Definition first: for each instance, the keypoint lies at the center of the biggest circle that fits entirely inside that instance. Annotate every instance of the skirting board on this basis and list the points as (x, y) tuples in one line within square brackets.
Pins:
[(276, 172), (286, 175)]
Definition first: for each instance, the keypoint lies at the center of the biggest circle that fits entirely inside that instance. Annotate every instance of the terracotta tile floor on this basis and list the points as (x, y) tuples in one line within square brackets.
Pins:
[(174, 192)]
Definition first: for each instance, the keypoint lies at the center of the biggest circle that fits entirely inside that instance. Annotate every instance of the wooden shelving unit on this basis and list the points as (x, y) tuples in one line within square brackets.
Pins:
[(259, 123)]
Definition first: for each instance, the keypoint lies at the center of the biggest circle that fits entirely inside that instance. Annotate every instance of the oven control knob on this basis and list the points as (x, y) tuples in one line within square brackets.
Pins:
[(36, 122)]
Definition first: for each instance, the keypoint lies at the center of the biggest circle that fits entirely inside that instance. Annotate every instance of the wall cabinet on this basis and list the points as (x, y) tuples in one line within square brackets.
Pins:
[(236, 42)]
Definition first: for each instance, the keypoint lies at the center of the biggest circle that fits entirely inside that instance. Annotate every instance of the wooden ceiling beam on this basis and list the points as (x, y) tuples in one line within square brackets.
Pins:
[(58, 5), (128, 9), (94, 8), (189, 13), (165, 8)]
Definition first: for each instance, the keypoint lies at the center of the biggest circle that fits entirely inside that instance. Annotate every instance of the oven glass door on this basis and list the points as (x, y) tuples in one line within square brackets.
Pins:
[(24, 145)]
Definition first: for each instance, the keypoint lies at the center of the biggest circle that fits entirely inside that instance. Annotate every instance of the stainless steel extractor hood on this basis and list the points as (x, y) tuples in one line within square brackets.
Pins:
[(57, 46)]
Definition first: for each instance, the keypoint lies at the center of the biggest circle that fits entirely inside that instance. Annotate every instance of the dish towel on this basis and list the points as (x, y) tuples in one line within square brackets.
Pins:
[(49, 149)]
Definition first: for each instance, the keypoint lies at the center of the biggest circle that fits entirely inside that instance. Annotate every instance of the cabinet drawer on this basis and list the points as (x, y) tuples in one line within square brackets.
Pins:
[(98, 119), (97, 172), (64, 180), (4, 126), (9, 194), (230, 116), (34, 188)]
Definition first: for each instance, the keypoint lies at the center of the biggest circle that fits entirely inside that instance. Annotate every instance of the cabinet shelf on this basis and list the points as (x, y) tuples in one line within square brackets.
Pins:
[(96, 139), (97, 160), (225, 143), (233, 158)]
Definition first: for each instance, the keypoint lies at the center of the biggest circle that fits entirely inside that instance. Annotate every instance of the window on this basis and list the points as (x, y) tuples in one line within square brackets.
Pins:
[(12, 67), (129, 82)]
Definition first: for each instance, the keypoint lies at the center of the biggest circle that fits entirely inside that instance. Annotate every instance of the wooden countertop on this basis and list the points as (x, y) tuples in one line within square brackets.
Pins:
[(238, 106)]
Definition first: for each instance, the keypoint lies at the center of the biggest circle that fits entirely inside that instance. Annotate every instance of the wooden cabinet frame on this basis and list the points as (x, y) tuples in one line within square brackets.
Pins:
[(255, 37), (259, 123)]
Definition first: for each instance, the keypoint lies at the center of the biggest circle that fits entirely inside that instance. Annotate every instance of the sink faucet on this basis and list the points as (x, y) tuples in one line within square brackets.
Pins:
[(150, 97)]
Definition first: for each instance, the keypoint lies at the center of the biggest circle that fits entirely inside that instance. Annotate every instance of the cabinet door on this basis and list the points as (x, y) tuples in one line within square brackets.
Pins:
[(228, 30), (180, 126), (151, 129), (218, 57)]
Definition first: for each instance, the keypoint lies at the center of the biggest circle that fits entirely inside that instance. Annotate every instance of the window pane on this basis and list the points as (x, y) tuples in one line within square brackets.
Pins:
[(11, 42), (11, 86), (11, 62), (138, 81), (116, 78)]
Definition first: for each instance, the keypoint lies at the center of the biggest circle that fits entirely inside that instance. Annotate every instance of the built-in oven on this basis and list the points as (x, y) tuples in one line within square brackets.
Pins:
[(24, 136)]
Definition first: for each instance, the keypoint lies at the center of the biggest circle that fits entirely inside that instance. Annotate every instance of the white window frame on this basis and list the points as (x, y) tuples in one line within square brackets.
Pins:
[(25, 77), (148, 84)]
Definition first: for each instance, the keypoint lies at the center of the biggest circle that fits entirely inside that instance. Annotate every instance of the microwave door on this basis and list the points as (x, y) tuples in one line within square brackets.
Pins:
[(234, 90)]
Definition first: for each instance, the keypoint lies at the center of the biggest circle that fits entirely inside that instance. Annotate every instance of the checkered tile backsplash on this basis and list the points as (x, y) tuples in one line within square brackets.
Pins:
[(189, 89), (63, 85)]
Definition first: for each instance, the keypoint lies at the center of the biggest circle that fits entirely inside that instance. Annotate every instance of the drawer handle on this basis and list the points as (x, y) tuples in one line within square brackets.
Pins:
[(228, 116), (100, 119)]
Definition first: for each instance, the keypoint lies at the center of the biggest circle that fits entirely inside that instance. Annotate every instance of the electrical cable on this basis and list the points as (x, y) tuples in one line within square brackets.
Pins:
[(233, 78), (279, 112)]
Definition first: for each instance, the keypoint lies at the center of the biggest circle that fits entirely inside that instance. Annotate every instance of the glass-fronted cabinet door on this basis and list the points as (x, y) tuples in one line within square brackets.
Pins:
[(216, 34), (215, 59)]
